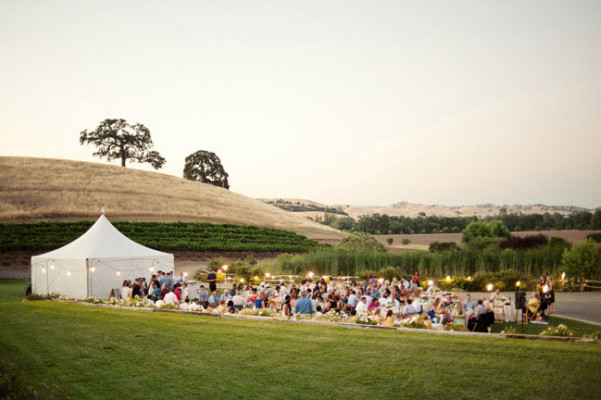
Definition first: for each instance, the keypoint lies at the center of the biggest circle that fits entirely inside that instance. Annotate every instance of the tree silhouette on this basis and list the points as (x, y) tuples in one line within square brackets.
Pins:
[(115, 139), (205, 166)]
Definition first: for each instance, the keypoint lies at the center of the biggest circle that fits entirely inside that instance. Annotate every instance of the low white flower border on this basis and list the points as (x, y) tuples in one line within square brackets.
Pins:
[(340, 324)]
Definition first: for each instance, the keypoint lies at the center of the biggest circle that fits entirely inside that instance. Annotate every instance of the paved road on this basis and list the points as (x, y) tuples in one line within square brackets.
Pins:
[(579, 305)]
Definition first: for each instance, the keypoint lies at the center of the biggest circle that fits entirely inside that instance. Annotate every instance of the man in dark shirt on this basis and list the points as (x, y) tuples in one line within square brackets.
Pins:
[(212, 279), (136, 290)]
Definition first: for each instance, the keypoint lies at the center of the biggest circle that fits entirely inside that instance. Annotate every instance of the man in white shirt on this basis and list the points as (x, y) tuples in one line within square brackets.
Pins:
[(238, 301), (362, 306), (171, 298), (353, 300), (409, 309)]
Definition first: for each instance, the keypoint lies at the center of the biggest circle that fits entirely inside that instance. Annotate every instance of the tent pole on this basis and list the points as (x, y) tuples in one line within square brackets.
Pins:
[(89, 281)]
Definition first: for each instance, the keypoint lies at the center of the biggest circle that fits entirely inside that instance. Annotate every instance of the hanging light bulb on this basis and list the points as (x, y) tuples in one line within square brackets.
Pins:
[(151, 269), (68, 273), (267, 274), (52, 267), (93, 269), (224, 267), (489, 287), (119, 272), (43, 270)]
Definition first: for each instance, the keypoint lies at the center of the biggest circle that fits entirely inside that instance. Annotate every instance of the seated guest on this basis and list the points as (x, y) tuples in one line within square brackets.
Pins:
[(389, 322), (226, 296), (259, 301), (362, 306), (409, 309), (214, 299), (532, 306), (238, 301), (230, 307), (203, 296), (468, 303), (287, 307), (374, 305), (318, 311), (221, 308), (480, 309), (154, 292), (303, 304), (353, 300), (171, 298), (164, 291)]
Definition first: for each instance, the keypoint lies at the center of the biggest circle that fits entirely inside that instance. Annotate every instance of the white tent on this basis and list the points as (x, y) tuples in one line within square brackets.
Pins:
[(96, 262)]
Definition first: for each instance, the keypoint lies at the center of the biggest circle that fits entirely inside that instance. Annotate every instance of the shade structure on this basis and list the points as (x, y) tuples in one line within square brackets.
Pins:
[(96, 262)]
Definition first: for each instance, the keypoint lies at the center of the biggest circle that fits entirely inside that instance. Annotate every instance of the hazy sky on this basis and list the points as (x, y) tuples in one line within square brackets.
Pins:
[(367, 103)]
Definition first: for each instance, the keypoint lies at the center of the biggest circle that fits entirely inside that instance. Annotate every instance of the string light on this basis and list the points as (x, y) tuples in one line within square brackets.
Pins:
[(68, 273), (563, 276), (430, 282), (311, 274), (151, 269), (267, 274), (119, 272), (185, 274), (448, 278), (518, 283), (224, 267), (469, 278), (489, 287), (93, 269), (241, 280), (52, 267), (43, 270)]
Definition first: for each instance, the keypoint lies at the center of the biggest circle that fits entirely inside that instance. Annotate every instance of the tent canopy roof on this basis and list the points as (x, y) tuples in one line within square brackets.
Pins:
[(103, 240)]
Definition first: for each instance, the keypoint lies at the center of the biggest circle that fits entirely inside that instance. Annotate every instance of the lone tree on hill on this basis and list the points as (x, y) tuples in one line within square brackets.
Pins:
[(205, 166), (115, 139)]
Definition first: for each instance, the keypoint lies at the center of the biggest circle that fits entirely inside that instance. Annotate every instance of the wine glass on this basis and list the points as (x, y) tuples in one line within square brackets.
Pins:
[(489, 329)]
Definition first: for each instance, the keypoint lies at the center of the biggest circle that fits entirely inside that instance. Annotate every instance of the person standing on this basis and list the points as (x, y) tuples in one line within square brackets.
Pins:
[(212, 279)]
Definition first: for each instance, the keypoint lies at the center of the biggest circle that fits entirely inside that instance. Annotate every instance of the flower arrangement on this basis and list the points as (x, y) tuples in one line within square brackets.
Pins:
[(508, 330), (560, 330)]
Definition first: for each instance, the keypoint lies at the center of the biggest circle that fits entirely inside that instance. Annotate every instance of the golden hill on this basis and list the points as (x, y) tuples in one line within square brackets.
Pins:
[(34, 189)]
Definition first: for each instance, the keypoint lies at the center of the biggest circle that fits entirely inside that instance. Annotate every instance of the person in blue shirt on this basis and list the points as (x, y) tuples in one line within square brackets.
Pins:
[(303, 305), (468, 303), (353, 299)]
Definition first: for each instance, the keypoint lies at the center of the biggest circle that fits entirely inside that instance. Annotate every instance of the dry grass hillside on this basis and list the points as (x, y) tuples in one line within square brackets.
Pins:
[(34, 189)]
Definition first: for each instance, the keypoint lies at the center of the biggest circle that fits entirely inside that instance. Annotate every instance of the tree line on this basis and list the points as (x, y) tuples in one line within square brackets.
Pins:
[(116, 139), (381, 224)]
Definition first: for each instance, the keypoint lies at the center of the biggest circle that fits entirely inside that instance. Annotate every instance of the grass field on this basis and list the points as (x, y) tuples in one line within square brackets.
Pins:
[(107, 354), (421, 241), (34, 189)]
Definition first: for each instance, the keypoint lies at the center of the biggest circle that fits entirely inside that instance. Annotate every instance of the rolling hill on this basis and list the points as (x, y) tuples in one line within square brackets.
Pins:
[(413, 210), (38, 189)]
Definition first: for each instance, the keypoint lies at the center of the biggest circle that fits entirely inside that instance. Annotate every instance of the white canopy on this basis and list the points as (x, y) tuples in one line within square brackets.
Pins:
[(93, 264)]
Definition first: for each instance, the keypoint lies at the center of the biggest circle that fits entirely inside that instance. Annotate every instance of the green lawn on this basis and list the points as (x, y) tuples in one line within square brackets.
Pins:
[(12, 290), (104, 353), (108, 354)]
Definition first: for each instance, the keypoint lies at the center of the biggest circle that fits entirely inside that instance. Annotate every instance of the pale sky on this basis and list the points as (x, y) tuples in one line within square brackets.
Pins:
[(354, 102)]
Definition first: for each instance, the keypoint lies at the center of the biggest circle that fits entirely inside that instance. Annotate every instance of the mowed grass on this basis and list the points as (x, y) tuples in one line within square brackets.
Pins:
[(108, 354), (12, 290)]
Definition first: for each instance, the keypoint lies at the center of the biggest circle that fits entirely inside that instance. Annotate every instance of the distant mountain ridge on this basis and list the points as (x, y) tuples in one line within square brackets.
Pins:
[(407, 209)]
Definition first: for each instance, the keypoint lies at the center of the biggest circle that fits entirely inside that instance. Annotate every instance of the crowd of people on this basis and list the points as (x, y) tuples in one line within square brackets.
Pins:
[(388, 300)]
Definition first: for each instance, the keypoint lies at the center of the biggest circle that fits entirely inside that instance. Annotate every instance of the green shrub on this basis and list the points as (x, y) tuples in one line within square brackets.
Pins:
[(406, 241), (582, 261), (361, 242), (442, 246), (456, 328), (594, 335)]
